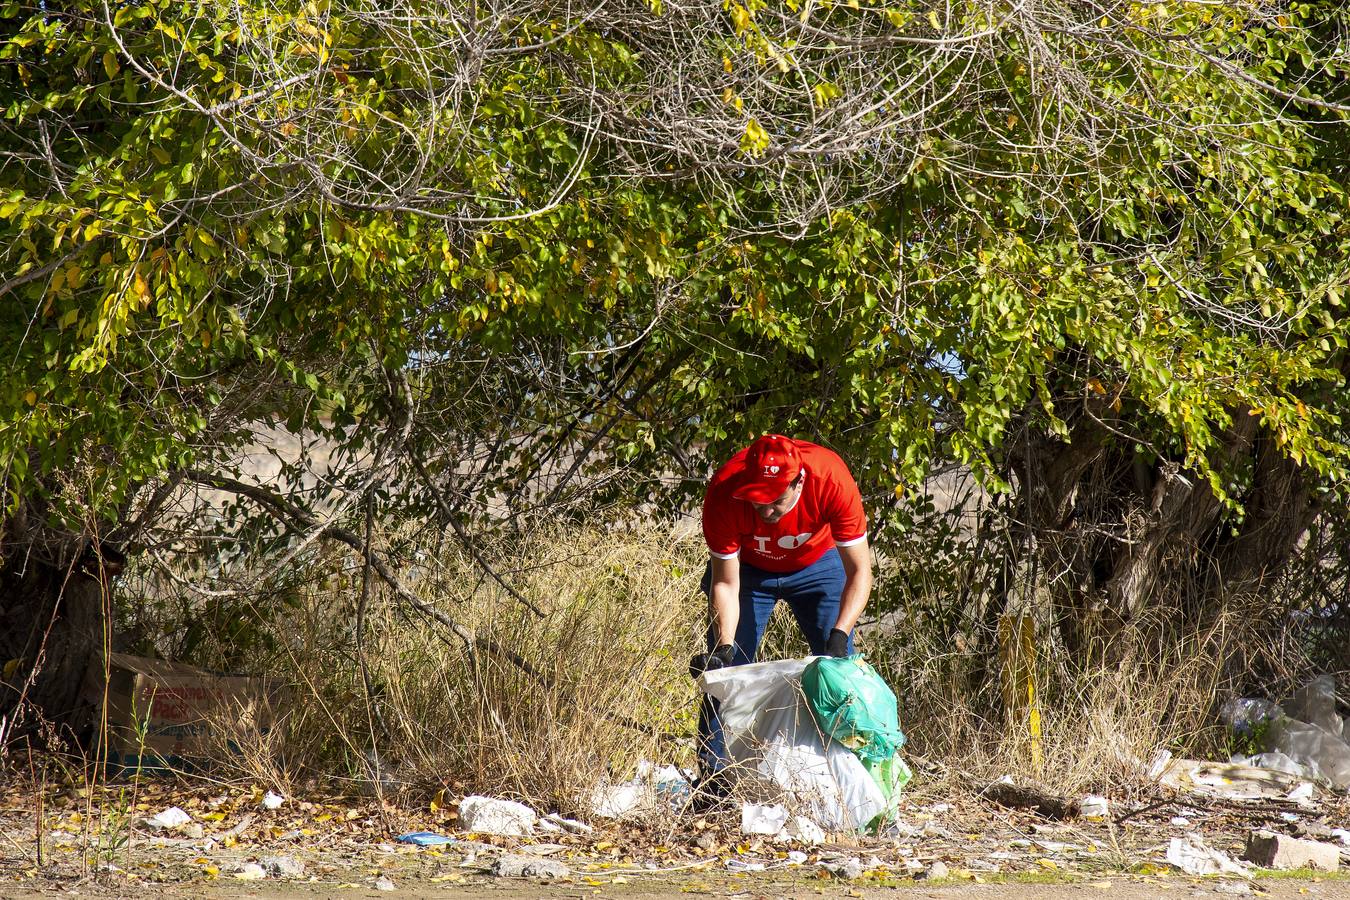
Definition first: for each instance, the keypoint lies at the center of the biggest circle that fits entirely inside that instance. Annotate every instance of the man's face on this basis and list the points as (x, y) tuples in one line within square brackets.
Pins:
[(772, 512)]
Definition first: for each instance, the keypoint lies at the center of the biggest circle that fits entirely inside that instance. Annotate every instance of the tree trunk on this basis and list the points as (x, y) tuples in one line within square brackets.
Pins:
[(53, 622)]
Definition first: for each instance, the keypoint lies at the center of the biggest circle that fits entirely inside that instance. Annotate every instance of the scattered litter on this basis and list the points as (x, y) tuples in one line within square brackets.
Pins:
[(490, 815), (741, 865), (939, 808), (1159, 764), (250, 872), (1094, 807), (669, 783), (804, 831), (796, 858), (169, 818), (542, 849), (384, 884), (1341, 835), (850, 869), (1304, 737), (1181, 821), (571, 825), (615, 801), (272, 800), (763, 818), (937, 871), (424, 839), (1244, 715), (521, 866), (1301, 793), (283, 866), (1218, 779), (1192, 856), (1289, 817)]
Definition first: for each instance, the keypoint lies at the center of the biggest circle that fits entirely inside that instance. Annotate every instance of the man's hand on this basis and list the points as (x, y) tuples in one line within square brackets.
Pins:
[(706, 662), (837, 643)]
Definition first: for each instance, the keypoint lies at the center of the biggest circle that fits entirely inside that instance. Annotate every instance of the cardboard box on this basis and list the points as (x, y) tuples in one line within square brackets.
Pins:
[(167, 715)]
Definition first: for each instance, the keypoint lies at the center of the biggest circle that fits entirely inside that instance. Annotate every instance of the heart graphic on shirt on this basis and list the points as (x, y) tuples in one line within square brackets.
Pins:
[(793, 541)]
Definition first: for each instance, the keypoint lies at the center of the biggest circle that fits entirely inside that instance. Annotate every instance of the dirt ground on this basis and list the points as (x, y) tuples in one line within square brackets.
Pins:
[(69, 840)]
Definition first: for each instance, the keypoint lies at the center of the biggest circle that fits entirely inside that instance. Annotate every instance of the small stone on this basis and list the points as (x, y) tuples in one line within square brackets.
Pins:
[(520, 866), (705, 841), (1236, 888), (384, 884), (937, 870), (283, 866), (1279, 851), (195, 831)]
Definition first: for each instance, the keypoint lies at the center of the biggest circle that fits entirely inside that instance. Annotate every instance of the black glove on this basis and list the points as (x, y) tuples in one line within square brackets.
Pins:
[(705, 662), (837, 644)]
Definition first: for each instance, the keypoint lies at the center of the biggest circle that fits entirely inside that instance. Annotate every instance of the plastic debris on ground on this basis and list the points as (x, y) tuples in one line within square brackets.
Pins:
[(1094, 807), (1303, 736), (763, 818), (774, 741), (272, 800), (522, 866), (1194, 857), (563, 824), (1237, 782), (250, 872), (424, 839), (611, 800), (490, 815), (172, 817), (740, 865)]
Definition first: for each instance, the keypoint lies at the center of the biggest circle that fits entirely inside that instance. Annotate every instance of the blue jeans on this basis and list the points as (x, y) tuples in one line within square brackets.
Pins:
[(813, 596)]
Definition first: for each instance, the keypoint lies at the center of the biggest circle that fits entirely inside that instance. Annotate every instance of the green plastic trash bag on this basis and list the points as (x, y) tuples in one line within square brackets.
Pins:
[(851, 704), (891, 776)]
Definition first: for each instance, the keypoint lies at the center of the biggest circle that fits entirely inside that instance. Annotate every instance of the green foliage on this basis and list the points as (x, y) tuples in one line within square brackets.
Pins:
[(215, 216)]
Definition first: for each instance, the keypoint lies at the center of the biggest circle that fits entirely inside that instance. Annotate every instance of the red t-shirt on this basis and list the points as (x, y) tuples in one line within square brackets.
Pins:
[(828, 513)]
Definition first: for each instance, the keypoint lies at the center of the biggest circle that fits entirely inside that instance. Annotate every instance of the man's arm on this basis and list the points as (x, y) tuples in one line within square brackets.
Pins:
[(724, 599), (857, 559)]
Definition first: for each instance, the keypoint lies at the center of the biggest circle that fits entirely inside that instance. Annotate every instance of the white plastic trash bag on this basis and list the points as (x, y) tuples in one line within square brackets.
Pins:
[(769, 730)]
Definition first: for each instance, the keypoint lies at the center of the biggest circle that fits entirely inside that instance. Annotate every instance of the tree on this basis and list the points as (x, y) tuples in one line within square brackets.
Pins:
[(536, 253)]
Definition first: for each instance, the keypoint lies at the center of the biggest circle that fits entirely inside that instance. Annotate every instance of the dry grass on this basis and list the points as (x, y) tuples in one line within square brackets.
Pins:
[(607, 684), (1102, 720), (621, 614)]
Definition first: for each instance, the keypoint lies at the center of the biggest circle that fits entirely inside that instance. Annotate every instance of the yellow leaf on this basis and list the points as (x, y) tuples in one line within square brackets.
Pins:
[(1047, 864), (603, 846), (31, 399), (934, 20), (110, 64), (229, 840), (726, 64)]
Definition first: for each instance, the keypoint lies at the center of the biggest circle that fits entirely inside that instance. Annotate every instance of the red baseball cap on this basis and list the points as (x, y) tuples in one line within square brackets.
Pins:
[(771, 465)]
